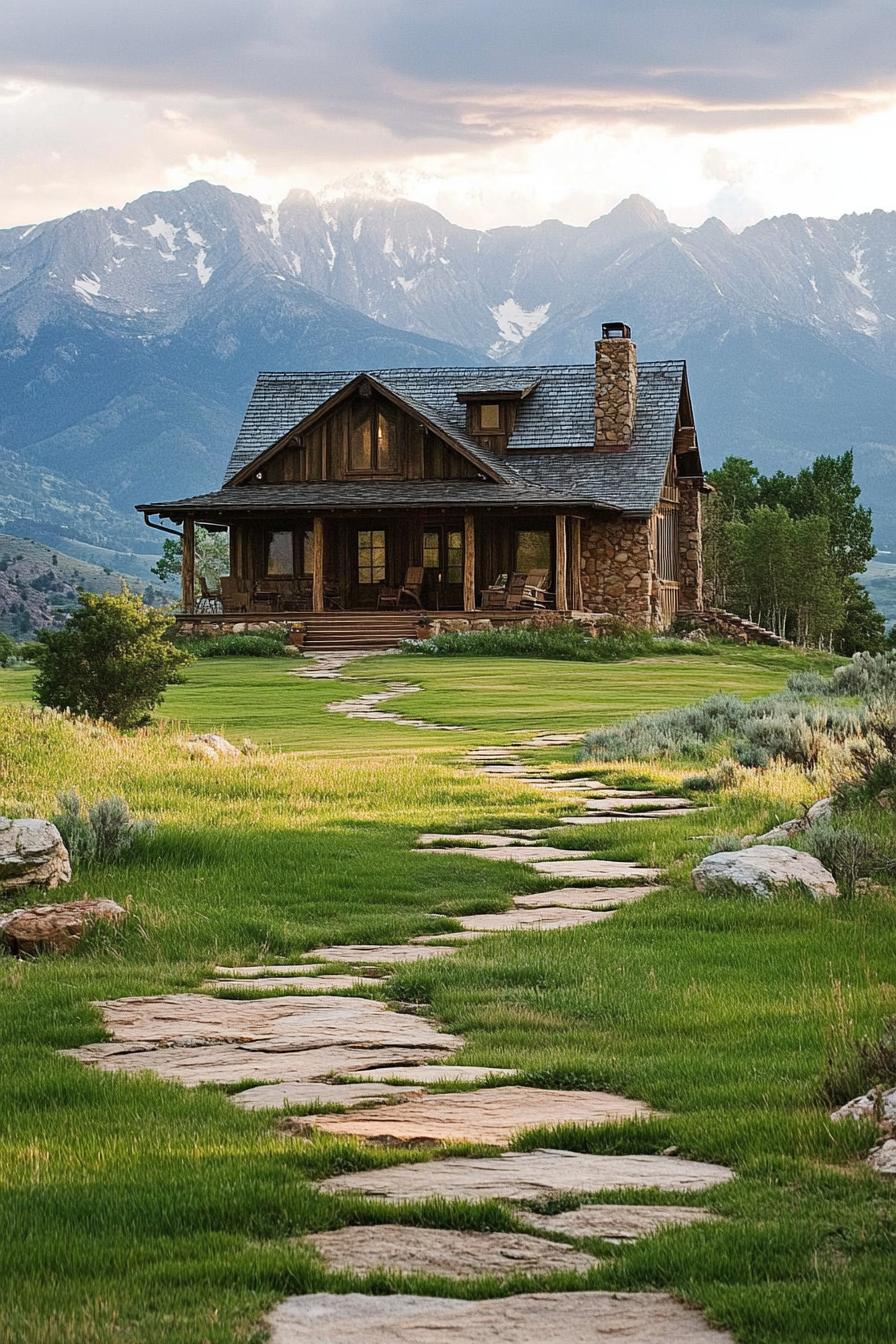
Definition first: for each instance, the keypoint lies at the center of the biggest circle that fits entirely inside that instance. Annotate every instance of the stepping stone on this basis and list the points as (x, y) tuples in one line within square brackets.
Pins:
[(229, 1063), (454, 1255), (492, 753), (491, 1115), (275, 1095), (645, 800), (380, 954), (515, 853), (459, 936), (554, 739), (528, 1176), (601, 818), (582, 898), (472, 838), (252, 972), (295, 984), (542, 917), (436, 1073), (527, 1318), (293, 1023), (616, 1222), (514, 770), (597, 868)]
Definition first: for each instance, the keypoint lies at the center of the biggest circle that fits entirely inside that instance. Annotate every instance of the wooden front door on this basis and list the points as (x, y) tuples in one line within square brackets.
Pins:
[(369, 563), (443, 565)]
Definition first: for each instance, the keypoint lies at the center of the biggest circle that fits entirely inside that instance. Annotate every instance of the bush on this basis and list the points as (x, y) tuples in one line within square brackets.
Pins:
[(103, 832), (8, 650), (111, 661), (726, 843), (847, 853), (566, 641), (236, 646)]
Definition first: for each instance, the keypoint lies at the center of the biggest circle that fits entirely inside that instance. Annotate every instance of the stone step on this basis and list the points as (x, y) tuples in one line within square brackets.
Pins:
[(380, 954), (445, 1253), (616, 1222), (583, 898), (274, 1096)]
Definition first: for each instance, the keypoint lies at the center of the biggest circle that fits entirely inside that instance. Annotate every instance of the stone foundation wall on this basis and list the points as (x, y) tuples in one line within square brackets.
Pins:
[(234, 625), (690, 547), (619, 566)]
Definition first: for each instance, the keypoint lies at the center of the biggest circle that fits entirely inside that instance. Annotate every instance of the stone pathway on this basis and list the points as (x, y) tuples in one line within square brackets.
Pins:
[(366, 707), (314, 1045), (528, 1318)]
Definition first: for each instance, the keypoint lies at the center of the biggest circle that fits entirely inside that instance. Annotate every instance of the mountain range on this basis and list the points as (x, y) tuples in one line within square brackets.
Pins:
[(130, 339)]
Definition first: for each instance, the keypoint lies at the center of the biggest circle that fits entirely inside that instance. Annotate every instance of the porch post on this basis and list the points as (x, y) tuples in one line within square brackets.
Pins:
[(469, 562), (188, 567), (561, 600), (317, 565), (575, 562)]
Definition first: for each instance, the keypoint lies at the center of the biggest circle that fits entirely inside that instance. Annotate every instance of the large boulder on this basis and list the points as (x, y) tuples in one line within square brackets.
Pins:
[(762, 871), (55, 928), (878, 1105), (32, 854), (212, 747), (883, 1159)]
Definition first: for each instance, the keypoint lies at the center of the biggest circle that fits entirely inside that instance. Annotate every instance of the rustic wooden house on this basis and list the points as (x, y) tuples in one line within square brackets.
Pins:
[(378, 494)]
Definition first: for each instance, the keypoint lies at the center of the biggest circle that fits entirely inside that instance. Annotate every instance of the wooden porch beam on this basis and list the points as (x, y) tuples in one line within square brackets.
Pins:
[(317, 565), (561, 599), (188, 567), (575, 562), (469, 562)]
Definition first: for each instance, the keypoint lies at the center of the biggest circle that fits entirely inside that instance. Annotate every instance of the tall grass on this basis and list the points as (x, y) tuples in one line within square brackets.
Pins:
[(564, 641)]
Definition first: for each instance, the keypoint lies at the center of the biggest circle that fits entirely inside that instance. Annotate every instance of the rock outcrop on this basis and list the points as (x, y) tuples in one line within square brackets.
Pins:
[(32, 854), (762, 871), (55, 928)]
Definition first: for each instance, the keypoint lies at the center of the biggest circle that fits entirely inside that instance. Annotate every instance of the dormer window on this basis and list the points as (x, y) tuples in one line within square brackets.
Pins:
[(373, 444), (489, 416)]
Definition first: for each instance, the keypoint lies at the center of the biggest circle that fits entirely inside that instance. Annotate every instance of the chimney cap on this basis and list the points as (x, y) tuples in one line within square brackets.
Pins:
[(616, 331)]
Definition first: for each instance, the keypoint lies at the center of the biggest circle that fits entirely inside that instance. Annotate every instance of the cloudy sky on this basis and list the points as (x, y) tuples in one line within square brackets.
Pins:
[(494, 111)]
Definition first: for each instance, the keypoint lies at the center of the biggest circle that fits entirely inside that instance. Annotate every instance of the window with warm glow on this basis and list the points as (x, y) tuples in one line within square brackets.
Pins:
[(371, 556), (532, 552), (489, 415), (278, 559), (373, 445)]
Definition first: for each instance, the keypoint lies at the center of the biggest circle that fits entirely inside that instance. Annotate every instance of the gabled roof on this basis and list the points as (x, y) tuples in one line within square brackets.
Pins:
[(554, 423)]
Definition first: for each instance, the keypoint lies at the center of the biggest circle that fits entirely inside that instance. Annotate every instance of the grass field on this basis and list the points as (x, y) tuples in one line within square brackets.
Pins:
[(138, 1212)]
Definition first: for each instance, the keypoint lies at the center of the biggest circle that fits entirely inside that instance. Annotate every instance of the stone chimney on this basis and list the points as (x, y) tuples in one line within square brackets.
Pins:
[(615, 388)]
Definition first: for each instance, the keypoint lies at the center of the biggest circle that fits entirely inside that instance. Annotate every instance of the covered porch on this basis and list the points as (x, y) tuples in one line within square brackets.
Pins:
[(432, 560)]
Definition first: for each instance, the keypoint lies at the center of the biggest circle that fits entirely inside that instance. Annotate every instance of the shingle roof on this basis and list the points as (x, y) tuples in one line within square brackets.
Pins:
[(545, 461)]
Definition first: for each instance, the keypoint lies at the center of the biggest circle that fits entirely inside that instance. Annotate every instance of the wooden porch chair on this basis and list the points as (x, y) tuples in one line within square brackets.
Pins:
[(411, 588), (209, 598), (234, 593), (527, 590), (494, 597)]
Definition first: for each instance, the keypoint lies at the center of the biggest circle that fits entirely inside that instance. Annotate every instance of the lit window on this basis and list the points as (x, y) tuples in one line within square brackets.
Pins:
[(374, 441), (489, 415), (278, 553), (307, 552), (533, 551), (371, 556), (431, 550), (386, 443), (361, 447), (454, 546)]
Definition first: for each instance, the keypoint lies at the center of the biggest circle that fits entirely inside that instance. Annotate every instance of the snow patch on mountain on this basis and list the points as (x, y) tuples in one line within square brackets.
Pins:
[(163, 228), (515, 322), (858, 276), (87, 286)]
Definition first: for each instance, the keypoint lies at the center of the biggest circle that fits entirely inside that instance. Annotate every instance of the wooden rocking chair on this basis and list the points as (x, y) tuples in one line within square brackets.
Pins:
[(494, 597), (209, 598), (411, 588), (527, 590), (234, 593)]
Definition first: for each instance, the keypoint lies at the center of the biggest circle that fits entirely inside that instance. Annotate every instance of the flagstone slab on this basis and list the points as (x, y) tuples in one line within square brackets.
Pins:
[(234, 1063), (472, 838), (515, 853), (435, 1073), (616, 1222), (601, 818), (458, 936), (542, 917), (528, 1176), (490, 1115), (526, 1318), (380, 954), (296, 984), (273, 1096), (631, 802), (442, 1251), (253, 972), (296, 1022), (583, 898), (597, 868)]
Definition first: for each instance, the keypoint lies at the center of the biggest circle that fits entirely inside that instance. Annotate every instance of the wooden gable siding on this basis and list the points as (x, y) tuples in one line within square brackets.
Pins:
[(322, 454)]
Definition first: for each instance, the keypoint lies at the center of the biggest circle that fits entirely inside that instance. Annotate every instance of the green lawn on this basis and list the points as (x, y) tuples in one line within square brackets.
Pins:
[(266, 700), (138, 1212)]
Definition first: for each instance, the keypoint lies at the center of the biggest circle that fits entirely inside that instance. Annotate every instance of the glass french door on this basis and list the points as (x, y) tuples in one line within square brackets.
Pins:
[(443, 566), (369, 564)]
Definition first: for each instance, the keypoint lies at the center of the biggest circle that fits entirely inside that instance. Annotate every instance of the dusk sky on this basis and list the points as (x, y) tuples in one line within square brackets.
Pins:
[(493, 111)]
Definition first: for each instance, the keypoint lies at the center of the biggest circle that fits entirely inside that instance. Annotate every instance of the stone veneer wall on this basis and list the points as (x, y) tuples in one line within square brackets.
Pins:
[(690, 547), (618, 565), (615, 394)]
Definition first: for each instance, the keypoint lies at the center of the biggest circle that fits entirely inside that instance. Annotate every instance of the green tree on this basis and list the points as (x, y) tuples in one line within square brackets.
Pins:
[(736, 485), (827, 489), (212, 557), (863, 626), (111, 661)]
